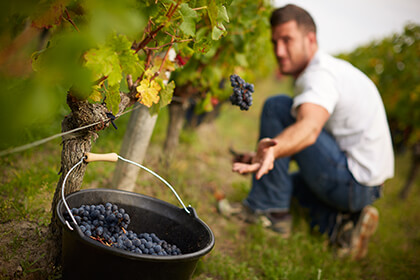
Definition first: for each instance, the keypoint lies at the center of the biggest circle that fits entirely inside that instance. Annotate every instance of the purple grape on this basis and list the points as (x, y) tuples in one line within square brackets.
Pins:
[(242, 92), (108, 223)]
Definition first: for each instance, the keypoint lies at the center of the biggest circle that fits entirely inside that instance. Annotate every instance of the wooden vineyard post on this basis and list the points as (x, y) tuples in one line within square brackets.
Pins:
[(134, 147)]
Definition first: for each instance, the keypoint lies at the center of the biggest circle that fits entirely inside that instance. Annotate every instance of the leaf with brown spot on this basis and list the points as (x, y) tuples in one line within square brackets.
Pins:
[(50, 16)]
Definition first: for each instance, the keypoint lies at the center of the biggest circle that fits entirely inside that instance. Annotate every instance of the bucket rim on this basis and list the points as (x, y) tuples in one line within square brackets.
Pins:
[(120, 252)]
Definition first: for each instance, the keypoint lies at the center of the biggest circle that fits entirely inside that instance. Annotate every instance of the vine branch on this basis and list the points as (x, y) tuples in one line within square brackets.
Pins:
[(68, 18), (168, 44), (150, 36), (163, 61)]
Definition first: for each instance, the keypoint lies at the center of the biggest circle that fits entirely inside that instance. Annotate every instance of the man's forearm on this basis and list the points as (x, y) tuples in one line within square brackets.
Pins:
[(296, 138)]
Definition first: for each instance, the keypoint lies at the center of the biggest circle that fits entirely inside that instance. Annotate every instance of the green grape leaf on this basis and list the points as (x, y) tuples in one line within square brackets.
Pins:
[(119, 43), (124, 86), (212, 11), (202, 43), (165, 97), (218, 31), (113, 99), (188, 16), (166, 94), (96, 96), (128, 59), (222, 14), (217, 15), (102, 62), (131, 64), (49, 17)]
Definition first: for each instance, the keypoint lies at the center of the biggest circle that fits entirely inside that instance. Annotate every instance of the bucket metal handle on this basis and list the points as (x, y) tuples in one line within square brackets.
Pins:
[(112, 157)]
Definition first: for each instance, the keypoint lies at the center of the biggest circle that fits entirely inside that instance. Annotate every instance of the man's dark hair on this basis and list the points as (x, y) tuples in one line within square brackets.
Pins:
[(292, 12)]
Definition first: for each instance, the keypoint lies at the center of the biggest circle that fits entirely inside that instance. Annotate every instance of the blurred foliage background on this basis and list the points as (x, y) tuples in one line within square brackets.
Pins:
[(393, 63), (59, 32), (48, 47), (33, 100)]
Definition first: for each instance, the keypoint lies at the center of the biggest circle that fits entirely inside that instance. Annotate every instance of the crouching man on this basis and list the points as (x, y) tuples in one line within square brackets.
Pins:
[(335, 128)]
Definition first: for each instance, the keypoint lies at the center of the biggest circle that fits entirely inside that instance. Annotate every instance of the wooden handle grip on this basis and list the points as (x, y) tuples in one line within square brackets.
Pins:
[(112, 157)]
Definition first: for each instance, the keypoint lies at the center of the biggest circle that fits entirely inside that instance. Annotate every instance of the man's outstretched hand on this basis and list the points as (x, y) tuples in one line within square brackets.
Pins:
[(262, 162), (242, 157)]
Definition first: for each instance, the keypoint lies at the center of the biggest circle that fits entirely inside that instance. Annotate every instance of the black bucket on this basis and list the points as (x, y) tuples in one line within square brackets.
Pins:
[(84, 258)]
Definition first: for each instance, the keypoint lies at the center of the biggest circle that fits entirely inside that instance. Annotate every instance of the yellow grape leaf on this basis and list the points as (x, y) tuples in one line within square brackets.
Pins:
[(167, 64), (96, 96), (149, 92)]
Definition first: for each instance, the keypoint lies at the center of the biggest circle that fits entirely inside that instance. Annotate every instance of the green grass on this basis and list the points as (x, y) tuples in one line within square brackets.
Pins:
[(28, 185), (200, 167)]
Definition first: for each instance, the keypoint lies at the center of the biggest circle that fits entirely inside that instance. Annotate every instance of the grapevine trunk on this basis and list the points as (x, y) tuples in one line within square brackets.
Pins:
[(176, 120), (75, 145)]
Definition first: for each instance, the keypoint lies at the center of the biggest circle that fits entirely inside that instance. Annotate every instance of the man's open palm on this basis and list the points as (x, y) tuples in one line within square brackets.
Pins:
[(262, 162)]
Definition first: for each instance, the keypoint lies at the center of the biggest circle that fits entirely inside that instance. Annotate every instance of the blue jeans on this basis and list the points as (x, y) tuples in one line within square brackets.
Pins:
[(323, 183)]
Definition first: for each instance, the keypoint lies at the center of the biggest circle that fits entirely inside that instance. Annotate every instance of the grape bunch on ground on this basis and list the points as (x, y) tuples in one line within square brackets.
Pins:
[(108, 225), (242, 92)]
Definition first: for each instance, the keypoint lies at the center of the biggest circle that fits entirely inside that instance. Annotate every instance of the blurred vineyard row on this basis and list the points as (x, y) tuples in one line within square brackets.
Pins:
[(393, 63)]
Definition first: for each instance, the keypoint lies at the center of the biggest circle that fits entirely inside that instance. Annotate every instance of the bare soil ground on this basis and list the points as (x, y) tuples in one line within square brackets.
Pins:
[(23, 251)]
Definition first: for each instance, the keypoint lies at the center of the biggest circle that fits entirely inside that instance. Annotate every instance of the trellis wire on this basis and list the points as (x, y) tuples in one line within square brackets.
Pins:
[(47, 139)]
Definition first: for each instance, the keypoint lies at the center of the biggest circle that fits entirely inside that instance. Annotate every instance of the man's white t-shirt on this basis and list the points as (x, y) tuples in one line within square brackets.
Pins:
[(357, 115)]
